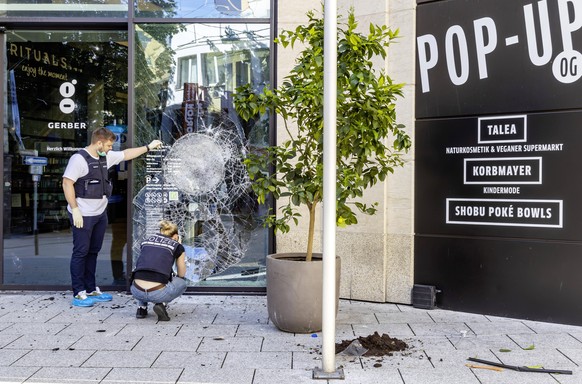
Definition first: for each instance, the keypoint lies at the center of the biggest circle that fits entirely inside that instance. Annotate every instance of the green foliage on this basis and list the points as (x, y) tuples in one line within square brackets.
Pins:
[(369, 141)]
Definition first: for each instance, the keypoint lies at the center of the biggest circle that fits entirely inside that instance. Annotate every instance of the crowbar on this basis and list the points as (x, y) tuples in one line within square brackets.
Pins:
[(520, 368)]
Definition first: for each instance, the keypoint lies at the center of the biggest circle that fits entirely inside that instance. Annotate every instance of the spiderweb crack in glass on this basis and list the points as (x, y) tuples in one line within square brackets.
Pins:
[(201, 187), (195, 164)]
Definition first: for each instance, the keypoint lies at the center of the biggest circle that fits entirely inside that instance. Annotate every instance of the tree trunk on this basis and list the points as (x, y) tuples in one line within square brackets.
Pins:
[(311, 231)]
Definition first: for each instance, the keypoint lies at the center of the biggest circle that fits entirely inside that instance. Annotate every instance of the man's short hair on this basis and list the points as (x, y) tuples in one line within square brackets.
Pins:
[(102, 134)]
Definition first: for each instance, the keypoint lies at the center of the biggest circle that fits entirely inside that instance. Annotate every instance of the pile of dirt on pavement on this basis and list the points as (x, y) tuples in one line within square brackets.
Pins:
[(375, 344)]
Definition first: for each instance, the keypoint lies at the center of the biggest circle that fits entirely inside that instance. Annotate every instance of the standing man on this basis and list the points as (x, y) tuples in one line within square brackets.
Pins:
[(87, 188)]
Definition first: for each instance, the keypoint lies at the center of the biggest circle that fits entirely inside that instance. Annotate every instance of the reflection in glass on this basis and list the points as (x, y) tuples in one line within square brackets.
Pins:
[(60, 8), (60, 86), (204, 9), (187, 70), (185, 77)]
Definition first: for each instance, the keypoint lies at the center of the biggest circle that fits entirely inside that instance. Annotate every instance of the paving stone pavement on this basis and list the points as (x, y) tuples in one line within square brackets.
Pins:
[(229, 339)]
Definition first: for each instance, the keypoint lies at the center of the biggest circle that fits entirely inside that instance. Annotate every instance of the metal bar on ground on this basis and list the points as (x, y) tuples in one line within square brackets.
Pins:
[(520, 368)]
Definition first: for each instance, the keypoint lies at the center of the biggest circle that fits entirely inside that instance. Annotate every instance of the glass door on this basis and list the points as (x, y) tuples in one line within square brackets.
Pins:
[(58, 87), (185, 76)]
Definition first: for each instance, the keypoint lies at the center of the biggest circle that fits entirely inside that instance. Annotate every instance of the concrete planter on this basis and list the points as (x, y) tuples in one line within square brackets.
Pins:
[(294, 291)]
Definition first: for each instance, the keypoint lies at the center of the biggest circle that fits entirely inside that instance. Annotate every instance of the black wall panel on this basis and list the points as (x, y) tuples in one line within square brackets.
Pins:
[(498, 146), (537, 280)]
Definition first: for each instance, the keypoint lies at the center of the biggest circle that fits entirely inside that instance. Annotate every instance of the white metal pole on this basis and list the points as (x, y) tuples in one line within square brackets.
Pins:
[(329, 183)]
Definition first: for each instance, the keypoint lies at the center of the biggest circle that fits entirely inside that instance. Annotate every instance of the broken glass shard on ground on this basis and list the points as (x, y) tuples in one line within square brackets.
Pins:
[(355, 348)]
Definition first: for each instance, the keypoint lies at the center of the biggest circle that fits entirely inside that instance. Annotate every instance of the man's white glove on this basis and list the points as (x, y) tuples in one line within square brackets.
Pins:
[(154, 144), (77, 218)]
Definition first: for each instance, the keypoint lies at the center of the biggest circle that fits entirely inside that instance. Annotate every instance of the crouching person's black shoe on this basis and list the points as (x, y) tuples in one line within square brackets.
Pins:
[(141, 312), (160, 310)]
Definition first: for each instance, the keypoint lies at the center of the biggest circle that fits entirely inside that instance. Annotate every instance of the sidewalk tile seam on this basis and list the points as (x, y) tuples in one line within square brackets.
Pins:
[(200, 343), (20, 358), (137, 343), (411, 330), (224, 360), (88, 358), (107, 374), (156, 359), (567, 357), (376, 317), (254, 375), (432, 318), (401, 377), (471, 329), (428, 358), (575, 337), (179, 329), (180, 375), (533, 330)]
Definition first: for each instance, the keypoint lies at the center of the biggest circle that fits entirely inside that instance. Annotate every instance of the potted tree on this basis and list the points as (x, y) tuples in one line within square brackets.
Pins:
[(370, 145)]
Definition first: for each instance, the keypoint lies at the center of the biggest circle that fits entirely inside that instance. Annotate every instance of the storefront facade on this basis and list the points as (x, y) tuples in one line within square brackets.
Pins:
[(146, 71), (476, 81)]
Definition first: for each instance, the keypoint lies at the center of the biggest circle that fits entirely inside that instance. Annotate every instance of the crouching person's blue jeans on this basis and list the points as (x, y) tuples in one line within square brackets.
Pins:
[(173, 289)]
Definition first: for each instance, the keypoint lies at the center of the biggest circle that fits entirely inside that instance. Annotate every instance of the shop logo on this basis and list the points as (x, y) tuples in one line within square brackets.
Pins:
[(67, 90), (460, 50)]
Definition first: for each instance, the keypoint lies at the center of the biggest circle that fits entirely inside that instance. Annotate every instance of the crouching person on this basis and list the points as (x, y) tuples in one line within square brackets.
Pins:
[(152, 276)]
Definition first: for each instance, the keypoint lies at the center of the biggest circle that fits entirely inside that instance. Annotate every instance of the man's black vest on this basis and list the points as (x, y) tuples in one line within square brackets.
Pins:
[(96, 183), (157, 255)]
